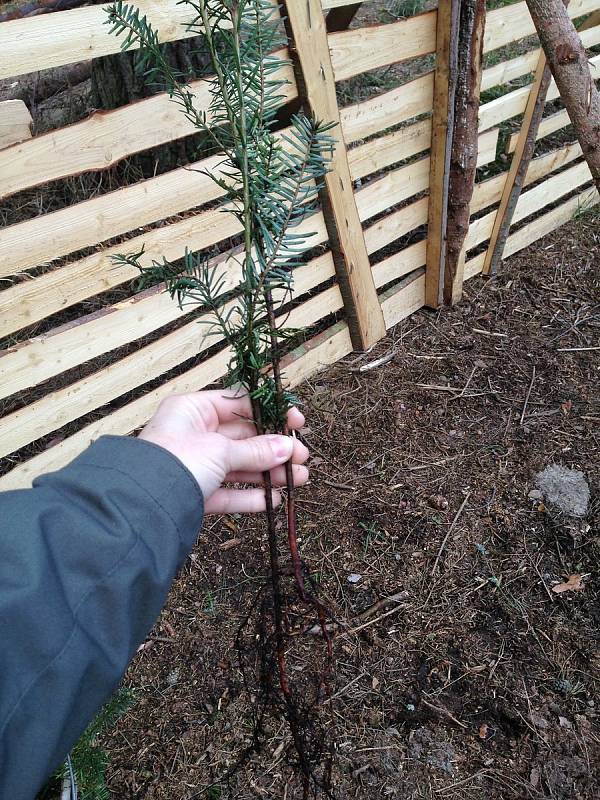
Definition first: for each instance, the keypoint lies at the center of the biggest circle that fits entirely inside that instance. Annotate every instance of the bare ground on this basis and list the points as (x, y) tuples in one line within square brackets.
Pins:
[(479, 681)]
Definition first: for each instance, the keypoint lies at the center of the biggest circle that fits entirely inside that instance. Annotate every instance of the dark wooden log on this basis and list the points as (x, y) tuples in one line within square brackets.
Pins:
[(463, 162), (569, 65)]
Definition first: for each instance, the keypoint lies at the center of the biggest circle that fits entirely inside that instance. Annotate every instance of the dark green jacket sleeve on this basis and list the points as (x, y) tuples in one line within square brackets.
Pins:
[(87, 557)]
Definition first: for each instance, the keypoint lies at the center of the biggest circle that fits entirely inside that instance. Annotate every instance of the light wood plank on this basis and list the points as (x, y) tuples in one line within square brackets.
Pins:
[(317, 87), (40, 42), (514, 68), (15, 122), (387, 150), (75, 400), (328, 348), (362, 49), (105, 138), (511, 23), (403, 300), (514, 103), (388, 109), (550, 221), (551, 124), (401, 263)]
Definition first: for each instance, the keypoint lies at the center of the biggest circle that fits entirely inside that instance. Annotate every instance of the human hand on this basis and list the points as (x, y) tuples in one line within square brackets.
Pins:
[(213, 435)]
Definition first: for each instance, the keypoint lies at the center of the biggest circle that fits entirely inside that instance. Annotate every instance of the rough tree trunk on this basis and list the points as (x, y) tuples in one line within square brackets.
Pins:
[(116, 83), (569, 64), (463, 162)]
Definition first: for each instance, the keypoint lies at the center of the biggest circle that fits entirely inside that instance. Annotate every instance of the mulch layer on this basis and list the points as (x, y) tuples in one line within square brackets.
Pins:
[(478, 680)]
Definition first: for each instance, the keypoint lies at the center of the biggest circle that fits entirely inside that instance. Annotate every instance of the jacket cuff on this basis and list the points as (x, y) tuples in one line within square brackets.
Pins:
[(160, 474)]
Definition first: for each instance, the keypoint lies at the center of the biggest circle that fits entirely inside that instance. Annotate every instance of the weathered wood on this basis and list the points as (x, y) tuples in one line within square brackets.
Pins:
[(444, 88), (363, 49), (519, 165), (463, 161), (316, 84), (15, 122), (568, 61)]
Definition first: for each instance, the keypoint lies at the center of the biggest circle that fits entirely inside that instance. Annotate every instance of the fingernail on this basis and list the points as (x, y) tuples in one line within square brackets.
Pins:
[(282, 446)]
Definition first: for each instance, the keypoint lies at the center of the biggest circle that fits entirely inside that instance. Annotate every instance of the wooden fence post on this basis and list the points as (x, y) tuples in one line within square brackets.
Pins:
[(442, 124), (307, 32)]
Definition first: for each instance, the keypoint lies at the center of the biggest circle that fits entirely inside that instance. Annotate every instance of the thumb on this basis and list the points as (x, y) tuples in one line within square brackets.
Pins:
[(259, 453)]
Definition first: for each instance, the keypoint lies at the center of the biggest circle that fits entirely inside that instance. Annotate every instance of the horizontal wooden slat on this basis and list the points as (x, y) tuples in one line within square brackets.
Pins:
[(15, 122), (513, 103), (362, 49), (542, 195), (541, 226), (325, 349), (105, 138), (488, 192), (75, 400), (387, 150), (388, 109), (401, 263), (403, 300), (507, 71), (511, 23), (40, 42), (550, 221), (551, 124), (43, 239)]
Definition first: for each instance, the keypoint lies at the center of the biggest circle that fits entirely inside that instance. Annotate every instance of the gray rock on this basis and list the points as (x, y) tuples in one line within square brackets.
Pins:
[(565, 488)]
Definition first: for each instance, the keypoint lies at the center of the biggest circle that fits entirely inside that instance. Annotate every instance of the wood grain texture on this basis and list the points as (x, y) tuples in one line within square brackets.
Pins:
[(327, 348), (363, 49), (104, 138), (15, 122), (444, 89), (316, 85), (151, 361)]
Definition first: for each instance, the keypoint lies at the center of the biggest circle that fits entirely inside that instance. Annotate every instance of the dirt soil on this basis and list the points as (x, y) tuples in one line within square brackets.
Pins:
[(479, 680)]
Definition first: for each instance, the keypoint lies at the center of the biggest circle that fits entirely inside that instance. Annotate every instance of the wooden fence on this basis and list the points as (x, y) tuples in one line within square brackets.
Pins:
[(68, 374)]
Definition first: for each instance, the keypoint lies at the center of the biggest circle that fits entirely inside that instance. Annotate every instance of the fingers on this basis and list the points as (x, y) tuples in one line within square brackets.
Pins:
[(278, 478), (295, 419), (243, 429), (239, 501), (261, 453)]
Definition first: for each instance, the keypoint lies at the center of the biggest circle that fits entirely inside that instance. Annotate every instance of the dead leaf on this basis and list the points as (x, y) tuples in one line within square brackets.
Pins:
[(229, 544), (169, 629), (566, 406), (574, 583), (483, 731)]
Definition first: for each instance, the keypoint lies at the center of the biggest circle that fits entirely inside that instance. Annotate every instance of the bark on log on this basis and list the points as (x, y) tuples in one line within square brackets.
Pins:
[(463, 162), (569, 65)]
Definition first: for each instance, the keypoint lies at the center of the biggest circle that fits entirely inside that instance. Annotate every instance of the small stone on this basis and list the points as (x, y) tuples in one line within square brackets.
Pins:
[(535, 494), (354, 577), (565, 488)]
